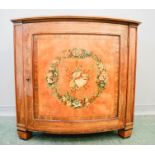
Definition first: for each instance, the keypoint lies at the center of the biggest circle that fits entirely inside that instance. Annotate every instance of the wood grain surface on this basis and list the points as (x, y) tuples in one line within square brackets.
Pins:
[(37, 44)]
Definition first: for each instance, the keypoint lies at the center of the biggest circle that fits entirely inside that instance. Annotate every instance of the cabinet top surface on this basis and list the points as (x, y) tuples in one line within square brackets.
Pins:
[(74, 18)]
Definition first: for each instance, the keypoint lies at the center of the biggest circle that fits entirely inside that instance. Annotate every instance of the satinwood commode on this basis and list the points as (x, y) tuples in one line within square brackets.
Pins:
[(74, 74)]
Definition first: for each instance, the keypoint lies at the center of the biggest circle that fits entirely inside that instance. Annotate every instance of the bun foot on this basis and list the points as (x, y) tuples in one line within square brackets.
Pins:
[(125, 133), (25, 135)]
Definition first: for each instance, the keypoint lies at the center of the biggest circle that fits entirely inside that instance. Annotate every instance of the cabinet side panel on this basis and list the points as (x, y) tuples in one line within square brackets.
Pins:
[(18, 60), (131, 76)]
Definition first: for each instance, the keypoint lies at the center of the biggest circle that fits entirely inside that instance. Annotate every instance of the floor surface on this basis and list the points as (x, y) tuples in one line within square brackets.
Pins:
[(143, 133)]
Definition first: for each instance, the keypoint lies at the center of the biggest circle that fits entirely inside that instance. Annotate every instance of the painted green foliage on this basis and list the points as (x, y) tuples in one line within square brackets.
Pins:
[(53, 76)]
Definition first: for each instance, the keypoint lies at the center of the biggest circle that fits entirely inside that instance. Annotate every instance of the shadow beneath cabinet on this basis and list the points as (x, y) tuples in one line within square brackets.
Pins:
[(77, 139)]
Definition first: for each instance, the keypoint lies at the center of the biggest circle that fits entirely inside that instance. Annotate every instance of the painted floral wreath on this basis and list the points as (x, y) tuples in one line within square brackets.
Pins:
[(78, 80)]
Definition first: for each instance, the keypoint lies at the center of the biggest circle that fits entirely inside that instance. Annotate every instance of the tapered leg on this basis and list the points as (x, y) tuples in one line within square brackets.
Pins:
[(125, 133), (25, 135)]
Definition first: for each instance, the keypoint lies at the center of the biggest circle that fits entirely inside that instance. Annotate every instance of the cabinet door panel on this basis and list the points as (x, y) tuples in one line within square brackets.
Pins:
[(78, 72)]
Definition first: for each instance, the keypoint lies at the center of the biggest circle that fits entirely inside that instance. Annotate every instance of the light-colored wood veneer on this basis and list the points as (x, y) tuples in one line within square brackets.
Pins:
[(92, 86)]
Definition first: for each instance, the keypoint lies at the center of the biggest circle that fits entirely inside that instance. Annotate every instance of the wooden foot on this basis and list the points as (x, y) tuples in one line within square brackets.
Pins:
[(125, 133), (25, 135)]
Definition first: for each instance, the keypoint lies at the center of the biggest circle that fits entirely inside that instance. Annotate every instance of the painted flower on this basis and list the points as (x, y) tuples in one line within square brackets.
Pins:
[(102, 76), (76, 104), (87, 53), (49, 75), (101, 85), (67, 53), (64, 99), (76, 52), (51, 80), (100, 66)]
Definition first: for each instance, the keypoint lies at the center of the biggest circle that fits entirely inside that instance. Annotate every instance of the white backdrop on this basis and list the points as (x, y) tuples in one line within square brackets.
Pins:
[(145, 85)]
